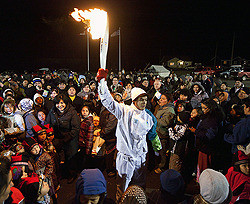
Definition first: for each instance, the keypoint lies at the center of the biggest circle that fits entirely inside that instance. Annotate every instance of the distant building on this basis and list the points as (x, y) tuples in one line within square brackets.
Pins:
[(236, 61), (176, 63)]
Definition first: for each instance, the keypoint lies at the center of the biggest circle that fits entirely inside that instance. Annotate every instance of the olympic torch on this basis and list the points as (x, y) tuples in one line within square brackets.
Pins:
[(98, 27)]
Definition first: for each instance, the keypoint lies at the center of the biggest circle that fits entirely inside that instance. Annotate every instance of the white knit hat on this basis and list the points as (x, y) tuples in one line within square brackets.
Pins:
[(135, 92), (214, 187)]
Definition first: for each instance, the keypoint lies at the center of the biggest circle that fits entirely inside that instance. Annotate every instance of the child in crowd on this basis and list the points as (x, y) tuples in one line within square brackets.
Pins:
[(178, 141)]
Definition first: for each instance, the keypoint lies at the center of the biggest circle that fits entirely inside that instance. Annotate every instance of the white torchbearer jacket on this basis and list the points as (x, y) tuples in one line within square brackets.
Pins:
[(132, 128)]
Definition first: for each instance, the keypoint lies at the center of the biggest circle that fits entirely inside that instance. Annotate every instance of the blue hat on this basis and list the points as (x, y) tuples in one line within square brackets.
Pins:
[(90, 182), (172, 182), (36, 80)]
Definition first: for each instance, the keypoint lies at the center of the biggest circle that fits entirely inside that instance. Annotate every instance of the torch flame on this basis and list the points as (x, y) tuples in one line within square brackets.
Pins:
[(96, 19)]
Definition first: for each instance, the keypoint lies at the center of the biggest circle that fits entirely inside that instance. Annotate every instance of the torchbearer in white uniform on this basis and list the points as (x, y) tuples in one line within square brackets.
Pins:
[(135, 123)]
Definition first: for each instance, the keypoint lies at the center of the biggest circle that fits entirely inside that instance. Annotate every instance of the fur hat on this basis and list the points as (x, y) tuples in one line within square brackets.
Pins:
[(29, 143), (172, 182), (136, 92), (26, 104), (214, 187)]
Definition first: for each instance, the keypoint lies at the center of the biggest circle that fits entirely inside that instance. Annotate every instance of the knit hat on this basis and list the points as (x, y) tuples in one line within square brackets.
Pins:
[(26, 104), (90, 182), (8, 90), (36, 80), (136, 92), (29, 143), (172, 182), (184, 116), (214, 187), (49, 129), (134, 194), (241, 158), (37, 129)]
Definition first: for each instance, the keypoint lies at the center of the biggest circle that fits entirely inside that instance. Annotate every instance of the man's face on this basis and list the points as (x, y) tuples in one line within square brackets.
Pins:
[(25, 83), (141, 102), (115, 81), (157, 84), (183, 97), (237, 84), (38, 84), (242, 94)]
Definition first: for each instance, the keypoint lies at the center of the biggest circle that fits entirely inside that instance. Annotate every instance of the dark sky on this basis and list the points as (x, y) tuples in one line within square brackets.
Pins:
[(40, 33)]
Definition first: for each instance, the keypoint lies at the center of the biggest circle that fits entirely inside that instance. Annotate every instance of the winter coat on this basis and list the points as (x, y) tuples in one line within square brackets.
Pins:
[(108, 123), (77, 103), (30, 121), (165, 118), (240, 185), (206, 133), (198, 97), (86, 134), (66, 127)]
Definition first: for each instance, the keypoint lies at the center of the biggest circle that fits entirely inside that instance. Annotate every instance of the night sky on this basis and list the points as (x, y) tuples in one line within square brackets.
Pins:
[(40, 33)]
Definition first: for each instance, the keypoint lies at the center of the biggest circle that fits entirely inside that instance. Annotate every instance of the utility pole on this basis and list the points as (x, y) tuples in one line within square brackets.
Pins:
[(215, 54)]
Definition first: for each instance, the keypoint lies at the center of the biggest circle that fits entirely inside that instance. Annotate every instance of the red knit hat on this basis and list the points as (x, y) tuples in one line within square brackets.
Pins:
[(49, 129), (37, 129), (242, 158), (29, 143)]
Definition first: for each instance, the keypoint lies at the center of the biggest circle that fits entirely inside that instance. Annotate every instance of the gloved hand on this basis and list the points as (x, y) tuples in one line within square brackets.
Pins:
[(102, 74)]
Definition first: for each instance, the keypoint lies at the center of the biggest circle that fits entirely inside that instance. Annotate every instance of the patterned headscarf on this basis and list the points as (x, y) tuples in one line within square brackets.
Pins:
[(26, 104), (134, 194)]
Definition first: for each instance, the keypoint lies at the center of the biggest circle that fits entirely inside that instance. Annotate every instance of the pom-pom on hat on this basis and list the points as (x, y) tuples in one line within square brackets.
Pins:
[(214, 187), (172, 182), (136, 92), (29, 143), (241, 158)]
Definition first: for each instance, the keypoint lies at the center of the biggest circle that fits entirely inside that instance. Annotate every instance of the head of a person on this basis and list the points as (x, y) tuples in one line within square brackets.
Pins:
[(237, 111), (53, 93), (180, 106), (96, 120), (25, 83), (134, 194), (71, 91), (157, 84), (31, 145), (246, 106), (40, 133), (25, 105), (129, 86), (185, 94), (145, 82), (118, 97), (33, 188), (196, 88), (242, 163), (8, 106), (5, 179), (8, 93), (38, 99), (62, 85), (183, 117), (208, 106), (86, 88), (172, 183), (115, 81), (139, 98), (223, 86), (91, 187), (61, 102), (37, 82), (242, 94), (85, 111), (165, 99), (92, 85), (41, 115), (196, 113), (50, 133), (238, 84), (214, 187)]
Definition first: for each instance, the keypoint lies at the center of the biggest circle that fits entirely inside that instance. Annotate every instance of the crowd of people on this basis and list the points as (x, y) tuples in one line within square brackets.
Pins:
[(181, 127)]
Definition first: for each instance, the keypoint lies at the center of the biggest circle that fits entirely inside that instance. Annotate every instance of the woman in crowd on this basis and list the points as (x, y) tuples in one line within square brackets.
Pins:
[(76, 100), (66, 124), (198, 94)]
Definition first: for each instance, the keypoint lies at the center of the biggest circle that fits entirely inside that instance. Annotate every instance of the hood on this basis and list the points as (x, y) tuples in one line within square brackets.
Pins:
[(199, 84), (6, 90), (90, 182), (37, 95)]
